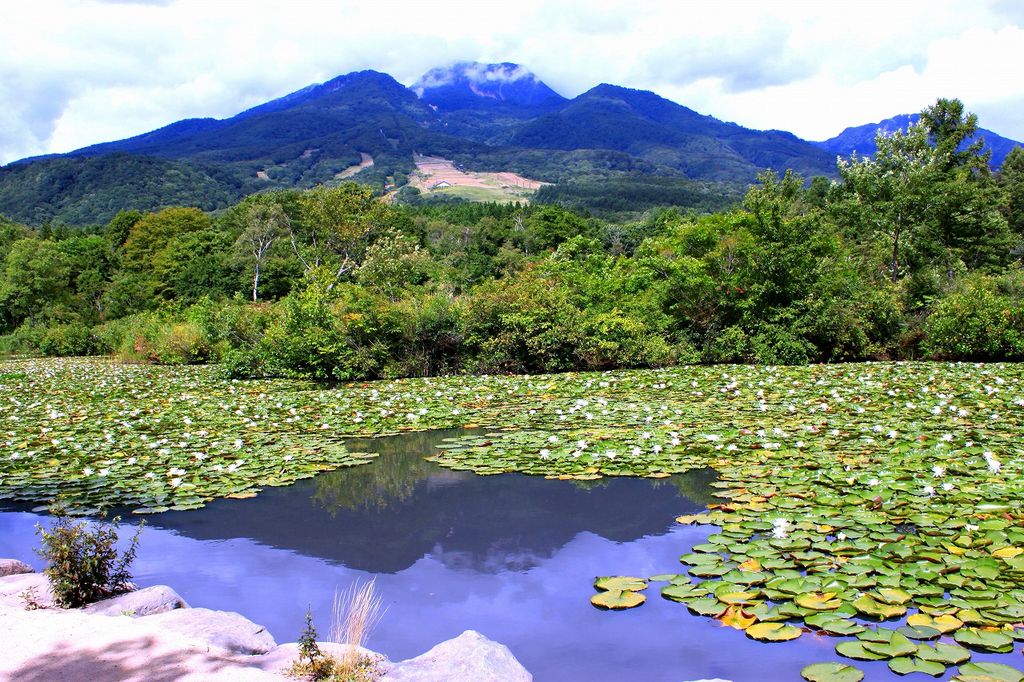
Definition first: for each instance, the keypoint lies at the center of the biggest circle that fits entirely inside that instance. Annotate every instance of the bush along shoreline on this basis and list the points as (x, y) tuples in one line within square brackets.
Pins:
[(914, 253)]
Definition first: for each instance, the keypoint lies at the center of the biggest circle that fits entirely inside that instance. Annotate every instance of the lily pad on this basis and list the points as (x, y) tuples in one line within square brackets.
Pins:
[(620, 583), (773, 632), (831, 672), (983, 671), (995, 641), (617, 599), (904, 665)]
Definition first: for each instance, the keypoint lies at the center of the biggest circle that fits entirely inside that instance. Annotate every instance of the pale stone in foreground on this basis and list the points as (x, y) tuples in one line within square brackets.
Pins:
[(14, 567), (470, 657), (144, 602), (226, 630), (13, 589)]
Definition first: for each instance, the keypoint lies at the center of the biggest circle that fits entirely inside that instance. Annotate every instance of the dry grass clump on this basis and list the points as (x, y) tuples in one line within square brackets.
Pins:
[(357, 611)]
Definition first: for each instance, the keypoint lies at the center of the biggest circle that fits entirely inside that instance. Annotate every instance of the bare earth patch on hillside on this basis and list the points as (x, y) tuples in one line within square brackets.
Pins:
[(365, 161), (435, 175)]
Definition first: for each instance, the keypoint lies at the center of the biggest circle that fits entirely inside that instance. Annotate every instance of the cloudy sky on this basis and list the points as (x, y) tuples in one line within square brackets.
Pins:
[(74, 73)]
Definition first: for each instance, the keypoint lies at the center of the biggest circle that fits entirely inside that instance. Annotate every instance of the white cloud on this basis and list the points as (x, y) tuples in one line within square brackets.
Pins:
[(107, 70)]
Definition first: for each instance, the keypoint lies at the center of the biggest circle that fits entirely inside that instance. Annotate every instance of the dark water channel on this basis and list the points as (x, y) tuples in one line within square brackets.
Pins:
[(511, 556)]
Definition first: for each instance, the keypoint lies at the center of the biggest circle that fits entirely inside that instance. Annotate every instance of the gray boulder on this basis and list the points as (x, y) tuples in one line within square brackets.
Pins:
[(227, 630), (14, 567), (470, 657), (145, 602)]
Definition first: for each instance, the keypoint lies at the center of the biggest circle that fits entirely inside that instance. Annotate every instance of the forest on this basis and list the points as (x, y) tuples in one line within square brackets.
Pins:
[(914, 252)]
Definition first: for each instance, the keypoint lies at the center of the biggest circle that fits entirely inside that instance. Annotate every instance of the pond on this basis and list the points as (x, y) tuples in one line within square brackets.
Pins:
[(509, 555)]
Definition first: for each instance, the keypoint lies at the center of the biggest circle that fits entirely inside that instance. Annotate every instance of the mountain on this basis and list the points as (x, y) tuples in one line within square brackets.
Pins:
[(470, 85), (483, 117), (653, 128), (862, 139)]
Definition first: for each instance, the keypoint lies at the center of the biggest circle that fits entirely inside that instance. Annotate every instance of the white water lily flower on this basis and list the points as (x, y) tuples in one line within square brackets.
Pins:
[(929, 490), (938, 470), (175, 482), (994, 465), (545, 453), (636, 452), (780, 528), (87, 471), (948, 486)]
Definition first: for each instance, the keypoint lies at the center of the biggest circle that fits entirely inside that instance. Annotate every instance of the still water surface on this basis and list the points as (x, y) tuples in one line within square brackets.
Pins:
[(511, 556)]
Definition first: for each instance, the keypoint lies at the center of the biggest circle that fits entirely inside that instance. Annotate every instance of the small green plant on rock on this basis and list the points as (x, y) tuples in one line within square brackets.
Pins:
[(312, 663), (83, 563)]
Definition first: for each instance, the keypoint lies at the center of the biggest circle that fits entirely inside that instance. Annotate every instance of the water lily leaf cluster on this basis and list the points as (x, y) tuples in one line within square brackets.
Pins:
[(878, 503), (848, 495)]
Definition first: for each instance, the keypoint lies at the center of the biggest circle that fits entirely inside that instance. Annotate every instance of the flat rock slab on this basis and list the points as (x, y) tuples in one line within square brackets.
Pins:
[(72, 646), (470, 657), (144, 602), (226, 630), (14, 567), (13, 589)]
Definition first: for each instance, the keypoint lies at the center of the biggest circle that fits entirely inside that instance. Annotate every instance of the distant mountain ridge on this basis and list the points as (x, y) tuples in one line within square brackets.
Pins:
[(484, 117), (862, 138)]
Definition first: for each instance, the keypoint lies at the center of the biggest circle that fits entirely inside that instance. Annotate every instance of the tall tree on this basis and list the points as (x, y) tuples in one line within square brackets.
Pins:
[(264, 225), (338, 225)]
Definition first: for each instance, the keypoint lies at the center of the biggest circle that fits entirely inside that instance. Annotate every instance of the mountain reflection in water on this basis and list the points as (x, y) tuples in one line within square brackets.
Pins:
[(384, 516)]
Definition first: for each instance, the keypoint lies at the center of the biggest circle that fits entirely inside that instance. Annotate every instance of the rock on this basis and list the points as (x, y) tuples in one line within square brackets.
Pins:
[(146, 602), (470, 657), (227, 630), (15, 588), (14, 567), (281, 657)]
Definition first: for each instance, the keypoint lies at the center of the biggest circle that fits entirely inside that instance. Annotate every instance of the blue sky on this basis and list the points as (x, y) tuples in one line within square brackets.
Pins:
[(73, 73)]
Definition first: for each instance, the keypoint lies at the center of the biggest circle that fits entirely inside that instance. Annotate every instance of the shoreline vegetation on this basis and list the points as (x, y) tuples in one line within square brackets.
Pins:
[(911, 254)]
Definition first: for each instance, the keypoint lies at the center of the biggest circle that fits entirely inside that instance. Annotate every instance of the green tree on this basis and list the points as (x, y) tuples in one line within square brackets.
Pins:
[(1011, 178), (265, 224), (338, 224), (36, 280)]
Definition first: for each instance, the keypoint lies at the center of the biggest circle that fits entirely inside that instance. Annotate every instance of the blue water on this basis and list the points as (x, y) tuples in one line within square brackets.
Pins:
[(511, 556)]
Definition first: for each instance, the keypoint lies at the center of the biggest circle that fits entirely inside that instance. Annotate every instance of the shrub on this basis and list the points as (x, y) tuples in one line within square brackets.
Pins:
[(976, 323), (68, 340), (83, 563)]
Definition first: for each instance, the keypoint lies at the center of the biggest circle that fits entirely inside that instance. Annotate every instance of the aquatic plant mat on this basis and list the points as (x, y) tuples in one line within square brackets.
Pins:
[(878, 503)]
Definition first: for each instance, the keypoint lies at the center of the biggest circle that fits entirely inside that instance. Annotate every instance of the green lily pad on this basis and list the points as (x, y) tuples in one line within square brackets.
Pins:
[(985, 640), (947, 654), (855, 650), (868, 606), (772, 632), (904, 665), (983, 671), (617, 599), (831, 672), (620, 583), (833, 624)]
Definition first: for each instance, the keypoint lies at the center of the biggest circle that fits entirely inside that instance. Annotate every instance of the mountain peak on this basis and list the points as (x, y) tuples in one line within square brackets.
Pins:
[(472, 84)]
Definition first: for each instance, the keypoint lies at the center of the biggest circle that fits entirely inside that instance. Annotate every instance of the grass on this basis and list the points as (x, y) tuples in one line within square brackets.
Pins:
[(496, 194), (357, 611)]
